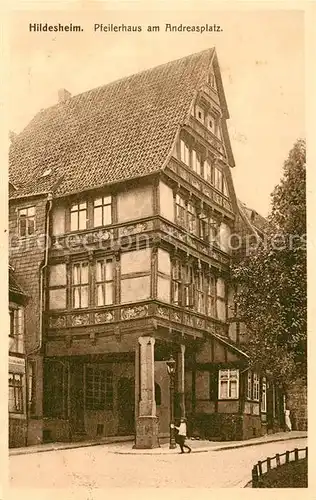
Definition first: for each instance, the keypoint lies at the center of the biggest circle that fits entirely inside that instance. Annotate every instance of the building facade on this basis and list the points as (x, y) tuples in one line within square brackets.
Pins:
[(122, 197), (17, 380)]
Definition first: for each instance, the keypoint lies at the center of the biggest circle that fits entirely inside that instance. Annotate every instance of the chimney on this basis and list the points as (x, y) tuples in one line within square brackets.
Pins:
[(63, 95)]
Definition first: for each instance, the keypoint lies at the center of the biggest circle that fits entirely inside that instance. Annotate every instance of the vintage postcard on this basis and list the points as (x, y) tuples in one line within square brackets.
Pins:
[(157, 284)]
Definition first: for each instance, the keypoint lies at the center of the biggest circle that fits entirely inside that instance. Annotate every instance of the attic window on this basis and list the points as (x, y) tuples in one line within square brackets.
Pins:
[(46, 172)]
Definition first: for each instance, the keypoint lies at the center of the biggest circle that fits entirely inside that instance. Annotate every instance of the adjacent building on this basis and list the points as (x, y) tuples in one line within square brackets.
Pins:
[(17, 381), (122, 207)]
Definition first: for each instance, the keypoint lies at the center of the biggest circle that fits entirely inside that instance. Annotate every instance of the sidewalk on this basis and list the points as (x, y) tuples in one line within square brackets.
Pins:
[(124, 445)]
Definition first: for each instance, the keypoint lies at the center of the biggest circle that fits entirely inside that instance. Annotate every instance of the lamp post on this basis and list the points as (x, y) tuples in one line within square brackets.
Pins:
[(171, 367)]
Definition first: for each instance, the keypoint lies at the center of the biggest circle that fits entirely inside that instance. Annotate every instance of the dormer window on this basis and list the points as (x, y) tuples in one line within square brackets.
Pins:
[(200, 114)]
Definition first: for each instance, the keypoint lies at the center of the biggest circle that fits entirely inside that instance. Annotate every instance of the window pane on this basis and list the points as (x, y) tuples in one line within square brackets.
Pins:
[(107, 215), (74, 221), (74, 208), (98, 202), (97, 216), (76, 298), (218, 179), (22, 226), (224, 390), (233, 389), (99, 271), (109, 293), (76, 274), (100, 295), (31, 211), (83, 206), (84, 296), (82, 219), (84, 273), (31, 226), (109, 270)]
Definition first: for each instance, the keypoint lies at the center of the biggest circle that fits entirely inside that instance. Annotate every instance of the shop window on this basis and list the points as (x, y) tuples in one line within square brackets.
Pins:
[(56, 375), (98, 388)]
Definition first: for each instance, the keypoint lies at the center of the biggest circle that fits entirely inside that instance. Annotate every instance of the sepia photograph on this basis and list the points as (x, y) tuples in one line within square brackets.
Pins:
[(156, 247)]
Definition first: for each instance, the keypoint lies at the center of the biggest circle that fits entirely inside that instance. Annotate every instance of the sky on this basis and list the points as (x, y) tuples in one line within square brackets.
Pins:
[(260, 52)]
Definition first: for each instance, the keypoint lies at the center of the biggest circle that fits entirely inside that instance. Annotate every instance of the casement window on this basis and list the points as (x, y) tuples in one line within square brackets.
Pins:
[(180, 211), (78, 216), (164, 275), (211, 293), (209, 171), (184, 153), (214, 231), (192, 218), (196, 162), (204, 227), (16, 334), (177, 274), (56, 382), (249, 385), (256, 387), (218, 179), (228, 384), (15, 393), (211, 123), (80, 285), (188, 287), (264, 395), (225, 188), (102, 211), (98, 388), (200, 292), (224, 237), (57, 283), (26, 221), (221, 299), (104, 282)]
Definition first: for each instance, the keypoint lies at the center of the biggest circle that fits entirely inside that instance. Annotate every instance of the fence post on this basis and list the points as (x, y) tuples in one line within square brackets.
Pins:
[(277, 457), (268, 463), (287, 457), (296, 454), (254, 477)]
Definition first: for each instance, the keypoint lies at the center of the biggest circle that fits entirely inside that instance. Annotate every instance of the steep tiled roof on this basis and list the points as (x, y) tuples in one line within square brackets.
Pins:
[(257, 221), (122, 130)]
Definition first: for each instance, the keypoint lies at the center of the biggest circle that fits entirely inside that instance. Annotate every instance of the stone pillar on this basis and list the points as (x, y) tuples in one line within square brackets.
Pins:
[(147, 421), (181, 392)]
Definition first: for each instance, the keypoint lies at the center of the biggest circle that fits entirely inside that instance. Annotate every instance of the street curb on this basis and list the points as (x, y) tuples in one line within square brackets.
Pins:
[(206, 450), (71, 446)]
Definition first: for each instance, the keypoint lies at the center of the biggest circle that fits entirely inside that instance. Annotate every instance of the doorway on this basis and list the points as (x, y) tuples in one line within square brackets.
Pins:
[(126, 406)]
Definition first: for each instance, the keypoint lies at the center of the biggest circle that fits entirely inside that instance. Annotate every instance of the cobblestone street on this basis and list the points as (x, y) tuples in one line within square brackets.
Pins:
[(101, 467)]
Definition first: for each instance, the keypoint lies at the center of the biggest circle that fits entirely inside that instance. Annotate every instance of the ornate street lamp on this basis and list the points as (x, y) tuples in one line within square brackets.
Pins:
[(171, 367)]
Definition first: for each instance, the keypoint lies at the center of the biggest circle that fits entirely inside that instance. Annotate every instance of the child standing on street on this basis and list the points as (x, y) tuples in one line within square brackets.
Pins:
[(182, 434)]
